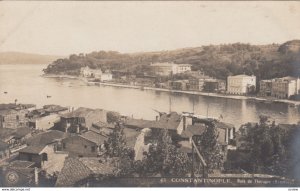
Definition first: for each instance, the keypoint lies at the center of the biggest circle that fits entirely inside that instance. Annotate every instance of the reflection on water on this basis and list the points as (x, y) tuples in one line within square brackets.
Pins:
[(23, 82)]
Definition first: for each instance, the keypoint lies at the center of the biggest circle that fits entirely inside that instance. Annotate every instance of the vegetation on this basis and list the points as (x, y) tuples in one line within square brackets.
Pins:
[(219, 61), (271, 148), (164, 158)]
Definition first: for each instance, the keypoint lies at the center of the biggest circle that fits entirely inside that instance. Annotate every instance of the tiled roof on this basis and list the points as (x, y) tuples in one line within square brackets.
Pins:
[(72, 172), (46, 138), (93, 137), (32, 149), (224, 125), (101, 124), (77, 169), (80, 112), (6, 133), (54, 108), (168, 121)]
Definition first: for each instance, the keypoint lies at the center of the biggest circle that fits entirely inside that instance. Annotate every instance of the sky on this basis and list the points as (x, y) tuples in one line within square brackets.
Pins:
[(67, 27)]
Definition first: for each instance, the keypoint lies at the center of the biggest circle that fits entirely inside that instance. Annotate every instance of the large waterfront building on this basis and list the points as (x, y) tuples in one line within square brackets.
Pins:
[(241, 84), (285, 87), (265, 87), (169, 68)]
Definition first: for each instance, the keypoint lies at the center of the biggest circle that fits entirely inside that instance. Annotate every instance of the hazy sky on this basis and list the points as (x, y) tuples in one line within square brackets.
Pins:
[(66, 27)]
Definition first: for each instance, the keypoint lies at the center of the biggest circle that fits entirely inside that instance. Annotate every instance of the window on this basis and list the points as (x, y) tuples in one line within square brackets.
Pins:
[(93, 148), (44, 157), (85, 146), (17, 117), (64, 145)]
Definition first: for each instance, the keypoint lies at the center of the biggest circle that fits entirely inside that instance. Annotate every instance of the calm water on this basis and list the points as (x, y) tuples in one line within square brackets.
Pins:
[(24, 83)]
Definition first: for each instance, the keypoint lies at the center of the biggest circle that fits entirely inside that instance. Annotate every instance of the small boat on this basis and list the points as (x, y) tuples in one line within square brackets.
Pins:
[(281, 113), (48, 96), (5, 92)]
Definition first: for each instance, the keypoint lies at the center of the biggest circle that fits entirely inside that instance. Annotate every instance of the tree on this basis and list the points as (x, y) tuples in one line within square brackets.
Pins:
[(210, 148), (116, 147), (164, 158)]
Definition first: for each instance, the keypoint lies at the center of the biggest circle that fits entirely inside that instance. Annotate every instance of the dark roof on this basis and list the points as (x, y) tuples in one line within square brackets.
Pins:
[(54, 108), (223, 125), (196, 129), (3, 146), (22, 132), (32, 149), (168, 121), (185, 147), (81, 112), (78, 169), (21, 164), (6, 133), (46, 138), (72, 172), (93, 137), (101, 124)]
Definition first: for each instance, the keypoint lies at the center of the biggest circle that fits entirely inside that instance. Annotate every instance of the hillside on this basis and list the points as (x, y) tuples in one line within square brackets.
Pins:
[(25, 58), (264, 61)]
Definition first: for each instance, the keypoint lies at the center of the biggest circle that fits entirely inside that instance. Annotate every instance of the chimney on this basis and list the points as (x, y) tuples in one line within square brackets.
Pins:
[(184, 123), (78, 129), (36, 176), (156, 118)]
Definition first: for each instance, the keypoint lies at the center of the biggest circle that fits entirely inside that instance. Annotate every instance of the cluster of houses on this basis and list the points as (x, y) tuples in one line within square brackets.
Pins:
[(281, 88), (71, 143), (96, 74)]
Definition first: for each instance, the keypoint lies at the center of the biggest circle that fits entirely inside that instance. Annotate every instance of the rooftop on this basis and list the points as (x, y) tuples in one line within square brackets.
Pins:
[(80, 112), (21, 164), (78, 169), (191, 130), (3, 146), (94, 137), (32, 149), (46, 138)]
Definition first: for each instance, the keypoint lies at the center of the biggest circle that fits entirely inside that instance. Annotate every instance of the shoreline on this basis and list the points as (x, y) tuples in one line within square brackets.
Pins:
[(237, 97)]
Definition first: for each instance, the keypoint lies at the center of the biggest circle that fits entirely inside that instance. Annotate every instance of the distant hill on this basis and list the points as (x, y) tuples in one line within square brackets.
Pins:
[(25, 58), (219, 61)]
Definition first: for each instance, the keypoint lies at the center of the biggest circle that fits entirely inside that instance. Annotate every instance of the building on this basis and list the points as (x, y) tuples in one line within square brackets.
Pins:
[(241, 84), (96, 73), (169, 68), (214, 85), (80, 119), (284, 88), (179, 85), (197, 81), (14, 116), (265, 87), (44, 150), (88, 144)]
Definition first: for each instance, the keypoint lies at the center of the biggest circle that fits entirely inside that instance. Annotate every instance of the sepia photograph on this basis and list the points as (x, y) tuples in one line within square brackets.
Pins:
[(149, 94)]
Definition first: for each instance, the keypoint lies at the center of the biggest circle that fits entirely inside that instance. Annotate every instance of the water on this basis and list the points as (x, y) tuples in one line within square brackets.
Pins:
[(24, 83)]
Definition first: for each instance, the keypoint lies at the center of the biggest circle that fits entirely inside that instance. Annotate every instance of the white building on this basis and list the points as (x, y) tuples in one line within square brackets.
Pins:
[(285, 87), (168, 68), (241, 84), (95, 73)]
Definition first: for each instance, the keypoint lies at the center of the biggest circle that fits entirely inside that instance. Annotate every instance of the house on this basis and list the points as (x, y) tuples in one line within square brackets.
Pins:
[(4, 151), (169, 68), (88, 144), (44, 150), (265, 87), (86, 171), (14, 115), (90, 73), (179, 84), (241, 84), (45, 118), (80, 119), (197, 81), (102, 128), (284, 88), (15, 137), (214, 85)]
